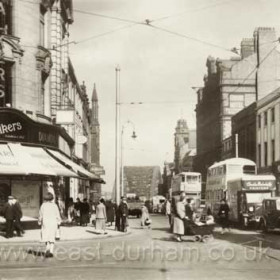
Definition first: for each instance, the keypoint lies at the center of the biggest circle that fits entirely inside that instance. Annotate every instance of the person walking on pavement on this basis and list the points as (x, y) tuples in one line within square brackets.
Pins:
[(145, 217), (123, 212), (84, 213), (17, 217), (168, 210), (178, 226), (77, 210), (188, 221), (110, 210), (49, 220), (101, 216), (223, 214), (8, 213)]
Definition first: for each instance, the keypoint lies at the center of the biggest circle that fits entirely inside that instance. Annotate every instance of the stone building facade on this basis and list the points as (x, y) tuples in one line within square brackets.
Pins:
[(230, 86), (44, 110), (268, 135)]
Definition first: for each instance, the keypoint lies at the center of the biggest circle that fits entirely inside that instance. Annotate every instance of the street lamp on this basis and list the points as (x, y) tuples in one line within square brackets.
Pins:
[(117, 125), (133, 136)]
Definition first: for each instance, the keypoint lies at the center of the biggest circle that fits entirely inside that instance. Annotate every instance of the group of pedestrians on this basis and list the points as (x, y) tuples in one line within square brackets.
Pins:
[(187, 217), (12, 213)]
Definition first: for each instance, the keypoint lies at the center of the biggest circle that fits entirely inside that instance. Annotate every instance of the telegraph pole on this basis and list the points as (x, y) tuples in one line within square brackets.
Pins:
[(117, 130)]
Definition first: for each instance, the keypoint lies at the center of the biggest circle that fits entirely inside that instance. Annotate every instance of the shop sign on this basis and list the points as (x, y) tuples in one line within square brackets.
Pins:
[(15, 126), (259, 185)]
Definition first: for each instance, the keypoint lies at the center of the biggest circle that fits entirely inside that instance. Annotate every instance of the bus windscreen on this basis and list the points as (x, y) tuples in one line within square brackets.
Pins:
[(249, 169)]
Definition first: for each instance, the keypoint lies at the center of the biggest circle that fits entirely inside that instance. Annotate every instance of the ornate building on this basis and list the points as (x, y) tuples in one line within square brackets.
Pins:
[(229, 86), (184, 141), (44, 111)]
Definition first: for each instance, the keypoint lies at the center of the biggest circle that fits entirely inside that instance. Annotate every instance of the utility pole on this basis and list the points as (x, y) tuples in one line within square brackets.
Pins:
[(117, 130)]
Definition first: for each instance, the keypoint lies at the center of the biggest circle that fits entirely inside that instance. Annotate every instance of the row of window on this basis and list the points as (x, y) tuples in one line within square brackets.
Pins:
[(265, 154), (265, 115)]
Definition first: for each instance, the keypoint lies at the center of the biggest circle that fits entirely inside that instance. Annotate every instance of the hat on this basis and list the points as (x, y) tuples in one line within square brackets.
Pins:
[(10, 197)]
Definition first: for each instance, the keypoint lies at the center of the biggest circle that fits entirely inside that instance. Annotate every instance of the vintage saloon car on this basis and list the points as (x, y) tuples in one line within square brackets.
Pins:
[(270, 214)]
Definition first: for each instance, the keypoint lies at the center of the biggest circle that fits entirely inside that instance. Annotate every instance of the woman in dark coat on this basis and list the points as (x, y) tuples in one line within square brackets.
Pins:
[(110, 210), (223, 214), (84, 211)]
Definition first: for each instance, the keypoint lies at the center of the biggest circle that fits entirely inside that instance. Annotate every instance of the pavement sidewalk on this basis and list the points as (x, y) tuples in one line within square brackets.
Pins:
[(68, 233)]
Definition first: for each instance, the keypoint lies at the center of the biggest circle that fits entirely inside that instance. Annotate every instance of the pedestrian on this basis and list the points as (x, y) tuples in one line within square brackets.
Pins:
[(77, 208), (70, 210), (110, 210), (123, 213), (17, 217), (84, 213), (49, 220), (145, 217), (180, 214), (8, 213), (223, 215), (92, 213), (168, 210), (101, 216), (188, 221)]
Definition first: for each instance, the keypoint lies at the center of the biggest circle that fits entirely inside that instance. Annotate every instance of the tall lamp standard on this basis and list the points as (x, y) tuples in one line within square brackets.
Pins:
[(117, 129), (122, 148)]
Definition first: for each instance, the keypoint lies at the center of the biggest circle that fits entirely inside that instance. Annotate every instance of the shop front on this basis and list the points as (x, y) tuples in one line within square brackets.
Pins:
[(32, 164)]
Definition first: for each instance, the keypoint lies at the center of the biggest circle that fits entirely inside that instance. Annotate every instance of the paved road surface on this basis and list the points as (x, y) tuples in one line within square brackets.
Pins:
[(149, 254)]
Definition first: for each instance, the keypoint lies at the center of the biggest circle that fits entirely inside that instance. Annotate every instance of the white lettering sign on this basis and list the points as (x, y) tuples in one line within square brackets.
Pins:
[(11, 127)]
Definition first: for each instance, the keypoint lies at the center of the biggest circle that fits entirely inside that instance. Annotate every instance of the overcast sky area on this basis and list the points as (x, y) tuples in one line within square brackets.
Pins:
[(157, 68)]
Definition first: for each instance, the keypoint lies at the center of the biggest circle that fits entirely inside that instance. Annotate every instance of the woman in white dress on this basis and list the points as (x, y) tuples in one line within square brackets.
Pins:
[(49, 220), (180, 215)]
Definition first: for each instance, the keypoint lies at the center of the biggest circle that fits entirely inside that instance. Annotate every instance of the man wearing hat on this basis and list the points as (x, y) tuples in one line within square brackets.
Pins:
[(8, 213)]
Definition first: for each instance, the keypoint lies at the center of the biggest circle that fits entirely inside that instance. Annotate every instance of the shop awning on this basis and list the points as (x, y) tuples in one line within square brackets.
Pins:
[(16, 159), (77, 168)]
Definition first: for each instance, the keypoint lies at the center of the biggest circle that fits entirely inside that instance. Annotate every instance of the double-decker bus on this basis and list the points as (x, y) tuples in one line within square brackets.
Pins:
[(187, 182), (218, 176)]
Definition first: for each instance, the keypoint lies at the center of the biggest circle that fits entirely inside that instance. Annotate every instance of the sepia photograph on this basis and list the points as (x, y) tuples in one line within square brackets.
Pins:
[(139, 139)]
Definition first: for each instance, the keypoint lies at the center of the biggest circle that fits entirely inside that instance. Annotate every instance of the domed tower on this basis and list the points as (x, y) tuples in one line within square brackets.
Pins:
[(181, 142)]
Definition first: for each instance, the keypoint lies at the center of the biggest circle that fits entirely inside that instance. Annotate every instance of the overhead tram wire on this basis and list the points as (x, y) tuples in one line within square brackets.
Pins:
[(191, 11), (189, 37)]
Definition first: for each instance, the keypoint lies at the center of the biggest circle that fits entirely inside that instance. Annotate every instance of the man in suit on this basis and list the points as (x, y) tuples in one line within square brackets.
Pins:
[(8, 213), (17, 217), (123, 212)]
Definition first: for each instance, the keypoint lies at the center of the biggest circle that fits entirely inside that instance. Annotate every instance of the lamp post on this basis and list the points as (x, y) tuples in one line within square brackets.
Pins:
[(117, 125), (122, 165)]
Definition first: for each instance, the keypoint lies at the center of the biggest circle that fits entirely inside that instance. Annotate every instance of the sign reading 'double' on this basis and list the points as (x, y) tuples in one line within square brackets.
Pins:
[(15, 126)]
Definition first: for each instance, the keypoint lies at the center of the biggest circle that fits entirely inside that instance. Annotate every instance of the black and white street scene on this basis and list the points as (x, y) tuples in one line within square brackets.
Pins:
[(139, 139)]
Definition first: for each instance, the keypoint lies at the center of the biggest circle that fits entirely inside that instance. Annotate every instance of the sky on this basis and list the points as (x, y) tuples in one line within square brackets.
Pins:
[(159, 64)]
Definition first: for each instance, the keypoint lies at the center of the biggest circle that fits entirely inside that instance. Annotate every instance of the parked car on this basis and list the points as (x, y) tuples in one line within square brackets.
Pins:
[(270, 214)]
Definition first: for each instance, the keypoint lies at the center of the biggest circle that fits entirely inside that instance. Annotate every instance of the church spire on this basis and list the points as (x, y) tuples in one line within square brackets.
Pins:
[(94, 97)]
